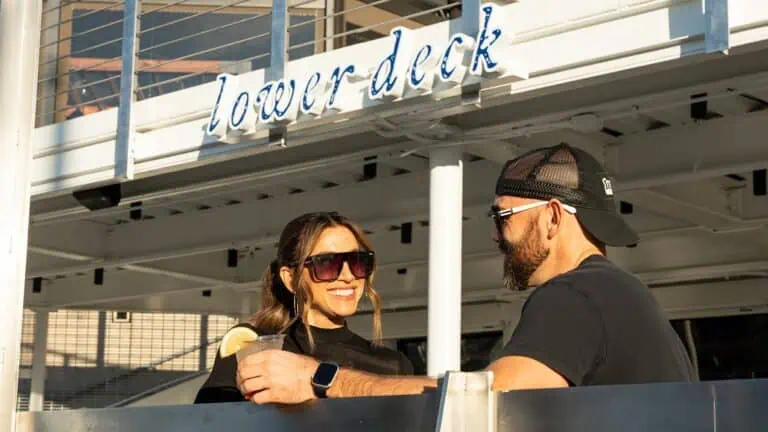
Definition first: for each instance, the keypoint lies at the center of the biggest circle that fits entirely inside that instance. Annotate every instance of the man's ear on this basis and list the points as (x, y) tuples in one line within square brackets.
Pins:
[(286, 275), (555, 217)]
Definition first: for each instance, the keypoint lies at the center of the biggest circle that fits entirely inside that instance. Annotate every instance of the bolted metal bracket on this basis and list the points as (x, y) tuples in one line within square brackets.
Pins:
[(467, 402), (718, 31)]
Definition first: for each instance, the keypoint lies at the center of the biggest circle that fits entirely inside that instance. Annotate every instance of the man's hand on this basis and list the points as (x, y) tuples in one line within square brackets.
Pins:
[(276, 377)]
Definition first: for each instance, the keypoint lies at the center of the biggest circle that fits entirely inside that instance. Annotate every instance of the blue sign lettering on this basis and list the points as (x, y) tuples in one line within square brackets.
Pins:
[(484, 43), (404, 66), (336, 76), (289, 110), (389, 85), (310, 93), (219, 120), (417, 79), (239, 110), (451, 67)]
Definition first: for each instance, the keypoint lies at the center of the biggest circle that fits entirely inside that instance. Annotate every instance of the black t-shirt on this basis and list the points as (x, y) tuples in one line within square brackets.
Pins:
[(341, 346), (599, 325)]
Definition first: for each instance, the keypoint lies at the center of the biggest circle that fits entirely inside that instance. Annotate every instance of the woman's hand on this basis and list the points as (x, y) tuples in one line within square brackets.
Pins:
[(274, 376)]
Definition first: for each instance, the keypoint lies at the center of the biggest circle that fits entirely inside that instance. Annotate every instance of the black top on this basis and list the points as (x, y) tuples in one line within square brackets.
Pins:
[(598, 325), (341, 346)]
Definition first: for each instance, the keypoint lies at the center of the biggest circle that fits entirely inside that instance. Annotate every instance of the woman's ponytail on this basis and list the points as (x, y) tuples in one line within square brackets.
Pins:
[(277, 302)]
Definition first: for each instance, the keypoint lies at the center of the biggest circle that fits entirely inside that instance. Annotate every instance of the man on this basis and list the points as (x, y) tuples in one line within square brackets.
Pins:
[(587, 323)]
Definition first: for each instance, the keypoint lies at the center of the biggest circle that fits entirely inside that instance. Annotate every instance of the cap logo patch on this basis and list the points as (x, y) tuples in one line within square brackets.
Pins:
[(607, 186)]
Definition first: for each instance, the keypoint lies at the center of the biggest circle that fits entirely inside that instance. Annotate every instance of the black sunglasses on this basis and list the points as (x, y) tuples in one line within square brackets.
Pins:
[(327, 267)]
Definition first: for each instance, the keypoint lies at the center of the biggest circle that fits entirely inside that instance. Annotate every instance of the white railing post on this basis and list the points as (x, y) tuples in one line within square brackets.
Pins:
[(126, 127)]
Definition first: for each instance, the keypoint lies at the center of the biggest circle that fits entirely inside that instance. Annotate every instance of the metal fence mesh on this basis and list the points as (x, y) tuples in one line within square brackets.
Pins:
[(97, 359)]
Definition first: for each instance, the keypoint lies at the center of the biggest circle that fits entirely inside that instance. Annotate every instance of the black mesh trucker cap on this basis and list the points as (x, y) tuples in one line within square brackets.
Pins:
[(574, 177)]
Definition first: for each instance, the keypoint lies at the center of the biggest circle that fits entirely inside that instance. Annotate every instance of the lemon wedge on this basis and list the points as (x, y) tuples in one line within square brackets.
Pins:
[(236, 339)]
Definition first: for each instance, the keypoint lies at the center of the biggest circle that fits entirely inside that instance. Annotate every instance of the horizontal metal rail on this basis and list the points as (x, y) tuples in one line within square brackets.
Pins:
[(117, 3), (336, 14), (383, 23), (187, 18)]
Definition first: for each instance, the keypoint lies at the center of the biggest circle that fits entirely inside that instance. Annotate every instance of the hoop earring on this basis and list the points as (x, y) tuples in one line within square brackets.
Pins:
[(295, 307)]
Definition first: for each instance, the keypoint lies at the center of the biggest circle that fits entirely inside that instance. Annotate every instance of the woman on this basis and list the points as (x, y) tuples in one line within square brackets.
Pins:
[(324, 266)]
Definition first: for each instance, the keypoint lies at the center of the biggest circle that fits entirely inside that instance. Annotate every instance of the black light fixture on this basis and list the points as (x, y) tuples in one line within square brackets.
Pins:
[(699, 109), (626, 208), (370, 168), (232, 258), (99, 198), (206, 293), (759, 182), (98, 276), (406, 233), (37, 285), (135, 213), (402, 271)]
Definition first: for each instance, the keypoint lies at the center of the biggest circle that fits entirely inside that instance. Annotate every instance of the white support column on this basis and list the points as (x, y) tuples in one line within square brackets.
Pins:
[(246, 308), (37, 390), (445, 219), (19, 55)]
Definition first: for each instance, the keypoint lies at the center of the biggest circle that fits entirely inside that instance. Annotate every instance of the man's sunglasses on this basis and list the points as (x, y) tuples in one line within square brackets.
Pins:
[(327, 267), (500, 216)]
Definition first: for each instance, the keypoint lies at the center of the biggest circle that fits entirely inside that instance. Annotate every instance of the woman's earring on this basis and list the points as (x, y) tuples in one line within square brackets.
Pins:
[(295, 307)]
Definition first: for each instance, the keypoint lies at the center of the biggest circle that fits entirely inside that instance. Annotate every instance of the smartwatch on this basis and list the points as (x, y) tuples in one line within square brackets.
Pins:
[(324, 377)]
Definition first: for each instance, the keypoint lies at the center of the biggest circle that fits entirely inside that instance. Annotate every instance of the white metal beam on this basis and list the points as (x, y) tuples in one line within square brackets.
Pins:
[(703, 204), (33, 273), (693, 152)]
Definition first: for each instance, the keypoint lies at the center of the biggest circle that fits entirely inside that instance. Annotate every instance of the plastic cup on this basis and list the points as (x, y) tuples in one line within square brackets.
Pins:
[(263, 343)]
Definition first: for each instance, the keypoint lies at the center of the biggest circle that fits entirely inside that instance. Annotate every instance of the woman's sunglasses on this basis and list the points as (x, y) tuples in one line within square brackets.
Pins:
[(327, 267)]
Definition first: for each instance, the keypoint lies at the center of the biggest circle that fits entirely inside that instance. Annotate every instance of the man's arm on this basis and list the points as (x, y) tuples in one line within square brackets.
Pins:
[(352, 383), (521, 373), (284, 377)]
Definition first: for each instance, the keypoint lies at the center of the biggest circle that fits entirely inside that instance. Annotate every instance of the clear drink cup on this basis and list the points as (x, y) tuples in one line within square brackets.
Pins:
[(263, 343)]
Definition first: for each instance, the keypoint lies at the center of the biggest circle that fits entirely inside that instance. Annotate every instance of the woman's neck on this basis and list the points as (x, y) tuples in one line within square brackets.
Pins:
[(319, 320)]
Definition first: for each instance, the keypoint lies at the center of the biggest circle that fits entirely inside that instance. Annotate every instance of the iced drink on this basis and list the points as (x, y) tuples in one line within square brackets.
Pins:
[(263, 343)]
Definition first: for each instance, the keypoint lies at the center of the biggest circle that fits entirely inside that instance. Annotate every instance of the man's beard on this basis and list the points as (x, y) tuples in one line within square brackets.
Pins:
[(522, 259)]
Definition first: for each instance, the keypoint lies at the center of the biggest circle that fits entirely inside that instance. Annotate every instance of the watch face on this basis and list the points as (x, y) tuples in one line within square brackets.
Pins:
[(325, 374)]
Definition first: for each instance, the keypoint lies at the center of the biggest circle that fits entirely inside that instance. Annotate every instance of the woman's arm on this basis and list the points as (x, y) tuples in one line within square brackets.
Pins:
[(220, 385)]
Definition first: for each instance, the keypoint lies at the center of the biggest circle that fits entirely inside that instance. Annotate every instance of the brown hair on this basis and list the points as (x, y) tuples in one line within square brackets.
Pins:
[(279, 306)]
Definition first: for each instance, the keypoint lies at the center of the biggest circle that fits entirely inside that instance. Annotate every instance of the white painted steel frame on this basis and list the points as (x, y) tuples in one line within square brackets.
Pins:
[(20, 26)]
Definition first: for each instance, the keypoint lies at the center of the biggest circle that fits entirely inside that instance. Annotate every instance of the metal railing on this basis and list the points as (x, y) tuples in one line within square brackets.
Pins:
[(461, 402), (88, 48)]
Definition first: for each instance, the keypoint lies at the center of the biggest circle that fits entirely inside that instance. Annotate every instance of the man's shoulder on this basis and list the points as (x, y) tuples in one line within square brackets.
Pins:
[(597, 282), (597, 274)]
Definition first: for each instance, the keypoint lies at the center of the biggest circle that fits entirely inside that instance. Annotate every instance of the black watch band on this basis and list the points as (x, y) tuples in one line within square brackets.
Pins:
[(324, 377)]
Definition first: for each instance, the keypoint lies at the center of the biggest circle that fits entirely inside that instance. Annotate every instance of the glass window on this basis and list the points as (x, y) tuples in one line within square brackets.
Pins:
[(180, 46)]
